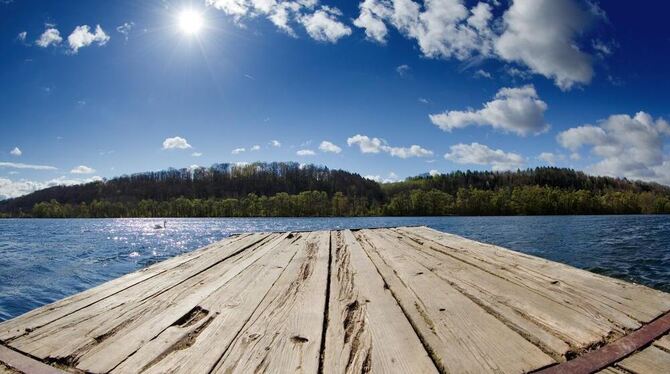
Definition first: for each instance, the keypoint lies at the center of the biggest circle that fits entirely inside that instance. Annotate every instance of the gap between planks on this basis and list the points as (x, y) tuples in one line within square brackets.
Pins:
[(383, 269)]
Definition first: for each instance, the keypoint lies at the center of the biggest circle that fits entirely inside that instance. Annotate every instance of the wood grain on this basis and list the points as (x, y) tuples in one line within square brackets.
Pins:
[(578, 321), (373, 300), (54, 311), (187, 347), (639, 302), (461, 335), (284, 333), (650, 360), (367, 330), (68, 339)]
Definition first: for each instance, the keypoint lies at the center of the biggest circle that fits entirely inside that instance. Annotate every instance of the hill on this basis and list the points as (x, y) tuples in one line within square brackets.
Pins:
[(291, 189)]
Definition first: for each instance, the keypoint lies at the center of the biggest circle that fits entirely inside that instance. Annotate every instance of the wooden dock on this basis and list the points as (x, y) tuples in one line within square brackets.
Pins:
[(396, 300)]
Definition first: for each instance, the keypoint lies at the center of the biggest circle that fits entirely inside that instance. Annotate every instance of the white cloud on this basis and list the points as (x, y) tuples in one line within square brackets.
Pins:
[(631, 147), (175, 143), (541, 35), (365, 144), (82, 169), (16, 165), (15, 152), (372, 14), (424, 100), (517, 110), (22, 36), (479, 154), (412, 151), (50, 36), (548, 157), (402, 70), (327, 146), (515, 73), (603, 48), (480, 17), (10, 189), (237, 151), (275, 143), (196, 154), (595, 9), (125, 28), (255, 147), (483, 74), (434, 173), (323, 25), (83, 37), (305, 152), (442, 28), (376, 145), (392, 177)]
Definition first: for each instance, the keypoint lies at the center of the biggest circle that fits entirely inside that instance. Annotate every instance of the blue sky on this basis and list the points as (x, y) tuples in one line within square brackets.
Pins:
[(96, 89)]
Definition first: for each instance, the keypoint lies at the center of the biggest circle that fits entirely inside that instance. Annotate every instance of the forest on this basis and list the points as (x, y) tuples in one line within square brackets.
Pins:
[(294, 190)]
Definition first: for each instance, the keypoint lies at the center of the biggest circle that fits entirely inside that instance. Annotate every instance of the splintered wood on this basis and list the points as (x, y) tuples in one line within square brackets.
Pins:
[(396, 300)]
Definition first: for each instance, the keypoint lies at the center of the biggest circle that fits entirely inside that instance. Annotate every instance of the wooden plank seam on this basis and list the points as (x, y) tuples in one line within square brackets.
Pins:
[(613, 352)]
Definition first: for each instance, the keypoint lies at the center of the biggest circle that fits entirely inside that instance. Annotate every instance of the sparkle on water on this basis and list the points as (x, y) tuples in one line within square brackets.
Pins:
[(46, 260)]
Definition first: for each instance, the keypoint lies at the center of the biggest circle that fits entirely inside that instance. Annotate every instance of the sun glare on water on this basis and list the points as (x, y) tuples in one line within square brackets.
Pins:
[(190, 21)]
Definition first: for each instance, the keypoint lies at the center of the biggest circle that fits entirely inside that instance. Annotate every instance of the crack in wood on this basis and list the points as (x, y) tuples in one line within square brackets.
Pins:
[(445, 294), (186, 341)]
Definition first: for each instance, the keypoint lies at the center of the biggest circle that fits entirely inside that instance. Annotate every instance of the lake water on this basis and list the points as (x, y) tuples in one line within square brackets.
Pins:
[(46, 260)]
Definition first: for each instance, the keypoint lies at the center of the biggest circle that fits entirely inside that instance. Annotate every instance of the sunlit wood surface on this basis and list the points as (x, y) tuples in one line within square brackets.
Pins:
[(396, 300)]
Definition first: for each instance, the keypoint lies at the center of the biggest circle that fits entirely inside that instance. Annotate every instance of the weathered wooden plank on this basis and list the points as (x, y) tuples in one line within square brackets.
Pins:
[(561, 292), (493, 295), (400, 300), (196, 346), (612, 352), (139, 292), (284, 333), (564, 321), (612, 370), (367, 330), (14, 362), (71, 337), (663, 342), (4, 369), (650, 360), (173, 306), (54, 311), (639, 302), (462, 336)]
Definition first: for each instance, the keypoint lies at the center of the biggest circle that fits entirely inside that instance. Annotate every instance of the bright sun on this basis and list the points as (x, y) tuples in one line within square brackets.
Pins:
[(190, 21)]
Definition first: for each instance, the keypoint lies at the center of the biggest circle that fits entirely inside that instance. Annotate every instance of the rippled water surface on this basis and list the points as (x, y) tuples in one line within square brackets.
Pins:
[(45, 260)]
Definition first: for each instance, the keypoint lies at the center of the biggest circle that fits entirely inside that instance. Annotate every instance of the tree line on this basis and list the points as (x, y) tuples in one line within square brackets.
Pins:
[(524, 200), (218, 181), (293, 190)]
